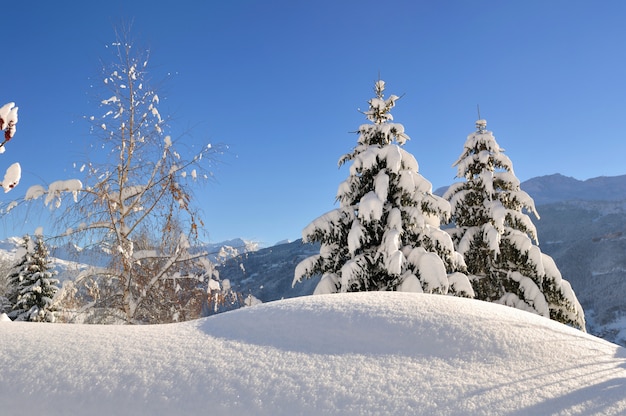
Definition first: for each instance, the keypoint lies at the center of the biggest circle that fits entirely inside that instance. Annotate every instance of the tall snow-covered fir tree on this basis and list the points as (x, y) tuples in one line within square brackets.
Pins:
[(34, 281), (386, 233), (495, 235)]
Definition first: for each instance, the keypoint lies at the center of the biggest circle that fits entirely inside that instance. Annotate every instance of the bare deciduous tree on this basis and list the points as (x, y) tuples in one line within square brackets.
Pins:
[(136, 199)]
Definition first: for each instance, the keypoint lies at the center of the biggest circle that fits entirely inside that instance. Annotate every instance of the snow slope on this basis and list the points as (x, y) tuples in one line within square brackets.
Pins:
[(348, 354)]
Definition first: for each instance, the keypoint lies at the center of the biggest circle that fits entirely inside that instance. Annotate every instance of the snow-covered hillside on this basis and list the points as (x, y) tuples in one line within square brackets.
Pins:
[(268, 272), (349, 354), (587, 239)]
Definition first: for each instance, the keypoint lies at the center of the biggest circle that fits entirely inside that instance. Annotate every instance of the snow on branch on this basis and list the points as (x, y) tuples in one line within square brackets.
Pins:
[(55, 191), (8, 120), (305, 268), (11, 177)]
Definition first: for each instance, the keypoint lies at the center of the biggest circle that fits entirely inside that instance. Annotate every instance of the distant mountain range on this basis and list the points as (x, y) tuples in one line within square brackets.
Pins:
[(217, 252), (559, 188)]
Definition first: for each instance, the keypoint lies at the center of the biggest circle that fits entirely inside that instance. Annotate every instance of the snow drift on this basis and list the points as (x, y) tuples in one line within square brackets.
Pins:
[(356, 353)]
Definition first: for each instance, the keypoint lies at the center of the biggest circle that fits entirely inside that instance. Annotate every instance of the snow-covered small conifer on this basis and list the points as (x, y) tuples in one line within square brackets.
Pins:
[(496, 236), (386, 233), (14, 276), (34, 282), (5, 305)]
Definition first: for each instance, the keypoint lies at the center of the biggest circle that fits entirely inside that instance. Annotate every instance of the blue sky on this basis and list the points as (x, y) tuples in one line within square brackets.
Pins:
[(281, 82)]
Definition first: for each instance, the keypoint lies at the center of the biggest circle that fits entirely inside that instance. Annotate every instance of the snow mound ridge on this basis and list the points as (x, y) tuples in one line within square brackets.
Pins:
[(407, 324), (349, 354)]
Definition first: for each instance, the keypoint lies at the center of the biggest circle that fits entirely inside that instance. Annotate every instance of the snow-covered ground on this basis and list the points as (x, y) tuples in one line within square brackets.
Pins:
[(348, 354)]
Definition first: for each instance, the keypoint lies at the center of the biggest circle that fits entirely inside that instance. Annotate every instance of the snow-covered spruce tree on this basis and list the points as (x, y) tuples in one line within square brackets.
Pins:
[(6, 267), (495, 235), (13, 275), (386, 233), (34, 282), (135, 199)]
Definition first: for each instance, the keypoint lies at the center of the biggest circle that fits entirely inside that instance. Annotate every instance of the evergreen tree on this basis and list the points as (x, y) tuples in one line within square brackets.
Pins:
[(14, 276), (386, 233), (5, 305), (35, 285), (496, 236)]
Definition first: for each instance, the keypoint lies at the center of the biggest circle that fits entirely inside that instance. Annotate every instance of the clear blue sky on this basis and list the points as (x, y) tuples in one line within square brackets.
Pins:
[(281, 82)]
